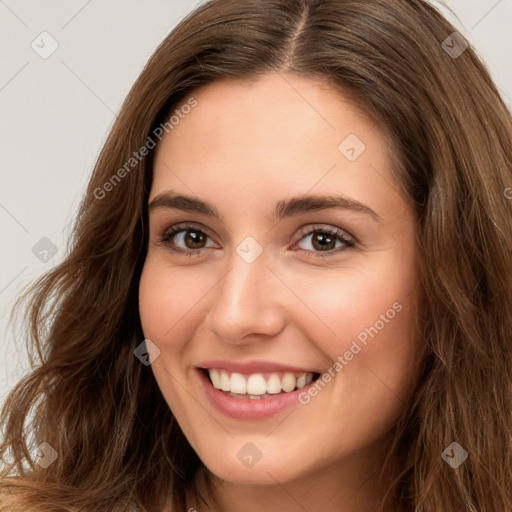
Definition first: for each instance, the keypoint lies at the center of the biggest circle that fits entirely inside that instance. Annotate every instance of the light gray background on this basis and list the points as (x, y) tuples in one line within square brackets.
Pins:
[(56, 113)]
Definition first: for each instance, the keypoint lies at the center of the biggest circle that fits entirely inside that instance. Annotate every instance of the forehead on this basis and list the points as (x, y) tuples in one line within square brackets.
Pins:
[(266, 106), (256, 139)]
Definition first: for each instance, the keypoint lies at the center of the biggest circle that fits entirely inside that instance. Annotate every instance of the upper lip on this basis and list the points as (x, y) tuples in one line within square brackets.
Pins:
[(248, 367)]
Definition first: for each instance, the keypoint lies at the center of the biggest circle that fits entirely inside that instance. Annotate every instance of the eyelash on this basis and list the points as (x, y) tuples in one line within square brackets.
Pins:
[(336, 233)]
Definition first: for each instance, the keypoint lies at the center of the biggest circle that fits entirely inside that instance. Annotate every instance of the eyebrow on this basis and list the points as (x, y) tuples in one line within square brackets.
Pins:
[(283, 209)]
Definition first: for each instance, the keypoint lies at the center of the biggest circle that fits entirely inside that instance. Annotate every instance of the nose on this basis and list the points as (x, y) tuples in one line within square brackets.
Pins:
[(247, 301)]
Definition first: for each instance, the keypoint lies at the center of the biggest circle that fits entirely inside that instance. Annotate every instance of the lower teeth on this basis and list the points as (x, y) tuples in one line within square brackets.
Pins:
[(252, 397)]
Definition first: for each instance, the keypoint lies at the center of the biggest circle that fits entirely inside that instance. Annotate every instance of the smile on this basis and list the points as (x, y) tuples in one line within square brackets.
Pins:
[(253, 396), (258, 385)]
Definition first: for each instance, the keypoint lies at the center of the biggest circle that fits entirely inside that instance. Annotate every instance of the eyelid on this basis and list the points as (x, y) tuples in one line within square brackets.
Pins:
[(180, 226), (174, 229), (307, 229)]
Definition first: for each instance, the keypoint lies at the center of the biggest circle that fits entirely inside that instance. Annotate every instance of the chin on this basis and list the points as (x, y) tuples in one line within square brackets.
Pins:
[(273, 465)]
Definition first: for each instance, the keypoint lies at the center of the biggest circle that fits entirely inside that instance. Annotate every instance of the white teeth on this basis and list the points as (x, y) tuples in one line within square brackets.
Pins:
[(255, 386), (274, 384), (238, 384), (215, 376), (225, 381), (288, 382)]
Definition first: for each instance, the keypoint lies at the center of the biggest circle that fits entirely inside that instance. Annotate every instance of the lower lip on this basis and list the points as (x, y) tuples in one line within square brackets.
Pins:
[(246, 408)]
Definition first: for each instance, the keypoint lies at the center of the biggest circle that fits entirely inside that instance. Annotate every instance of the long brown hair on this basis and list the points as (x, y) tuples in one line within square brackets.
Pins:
[(100, 409)]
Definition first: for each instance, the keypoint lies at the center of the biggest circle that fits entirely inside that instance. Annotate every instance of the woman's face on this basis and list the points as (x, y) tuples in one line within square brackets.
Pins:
[(293, 255)]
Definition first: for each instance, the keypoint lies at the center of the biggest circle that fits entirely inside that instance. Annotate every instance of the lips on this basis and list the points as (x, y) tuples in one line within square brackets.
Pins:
[(254, 389), (258, 385), (249, 367)]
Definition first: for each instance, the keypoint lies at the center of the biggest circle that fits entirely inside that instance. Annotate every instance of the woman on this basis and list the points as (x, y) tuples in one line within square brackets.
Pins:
[(289, 285)]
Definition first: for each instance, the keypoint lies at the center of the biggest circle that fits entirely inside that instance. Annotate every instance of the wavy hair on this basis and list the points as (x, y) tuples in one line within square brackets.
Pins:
[(92, 401)]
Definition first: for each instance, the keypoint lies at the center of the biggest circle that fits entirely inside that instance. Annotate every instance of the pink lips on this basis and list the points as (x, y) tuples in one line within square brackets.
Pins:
[(249, 367), (246, 408)]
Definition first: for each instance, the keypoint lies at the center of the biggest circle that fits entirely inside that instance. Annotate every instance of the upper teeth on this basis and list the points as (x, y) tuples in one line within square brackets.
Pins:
[(256, 383)]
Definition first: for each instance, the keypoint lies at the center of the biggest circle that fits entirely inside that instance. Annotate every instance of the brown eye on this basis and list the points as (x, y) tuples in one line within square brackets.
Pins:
[(186, 239), (194, 239), (330, 241), (321, 241)]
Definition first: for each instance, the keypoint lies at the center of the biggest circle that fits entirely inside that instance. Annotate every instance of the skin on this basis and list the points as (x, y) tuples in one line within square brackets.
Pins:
[(243, 148)]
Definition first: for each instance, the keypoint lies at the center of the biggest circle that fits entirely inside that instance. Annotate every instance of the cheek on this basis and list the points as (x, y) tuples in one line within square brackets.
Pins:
[(167, 300), (358, 304), (366, 327)]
